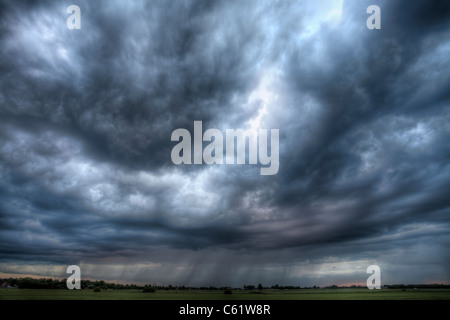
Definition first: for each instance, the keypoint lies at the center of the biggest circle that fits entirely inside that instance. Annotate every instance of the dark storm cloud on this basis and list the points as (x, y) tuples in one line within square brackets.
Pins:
[(86, 118), (134, 74), (372, 98)]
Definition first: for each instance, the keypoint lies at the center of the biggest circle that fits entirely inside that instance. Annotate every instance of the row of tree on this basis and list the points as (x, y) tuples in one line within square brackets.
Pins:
[(418, 286), (47, 283), (42, 283)]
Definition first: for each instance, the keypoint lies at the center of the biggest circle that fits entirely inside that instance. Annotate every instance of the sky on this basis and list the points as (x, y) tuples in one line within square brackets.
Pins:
[(86, 117)]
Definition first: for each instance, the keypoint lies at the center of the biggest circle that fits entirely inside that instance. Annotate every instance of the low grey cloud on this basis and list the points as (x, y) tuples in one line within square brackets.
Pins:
[(87, 116)]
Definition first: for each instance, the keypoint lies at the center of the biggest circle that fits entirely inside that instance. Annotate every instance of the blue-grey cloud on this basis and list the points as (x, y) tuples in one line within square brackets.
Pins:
[(87, 115)]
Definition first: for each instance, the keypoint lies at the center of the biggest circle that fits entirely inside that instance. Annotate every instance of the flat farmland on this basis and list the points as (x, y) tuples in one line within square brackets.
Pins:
[(300, 294)]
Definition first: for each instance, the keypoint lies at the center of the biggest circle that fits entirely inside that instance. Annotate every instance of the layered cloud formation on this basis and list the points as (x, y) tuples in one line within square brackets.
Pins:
[(86, 118)]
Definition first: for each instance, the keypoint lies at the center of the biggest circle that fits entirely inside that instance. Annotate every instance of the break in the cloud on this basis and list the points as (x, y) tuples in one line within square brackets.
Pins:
[(87, 115)]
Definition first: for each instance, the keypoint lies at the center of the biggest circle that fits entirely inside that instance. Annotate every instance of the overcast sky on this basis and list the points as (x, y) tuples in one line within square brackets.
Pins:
[(86, 118)]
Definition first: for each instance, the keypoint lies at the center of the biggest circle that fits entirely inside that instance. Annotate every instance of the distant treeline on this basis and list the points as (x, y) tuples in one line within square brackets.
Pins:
[(44, 283), (418, 286)]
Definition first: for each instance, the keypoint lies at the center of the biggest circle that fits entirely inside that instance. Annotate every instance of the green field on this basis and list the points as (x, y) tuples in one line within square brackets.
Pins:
[(301, 294)]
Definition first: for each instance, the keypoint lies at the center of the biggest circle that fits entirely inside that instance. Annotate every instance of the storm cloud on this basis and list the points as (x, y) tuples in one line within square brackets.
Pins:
[(86, 118)]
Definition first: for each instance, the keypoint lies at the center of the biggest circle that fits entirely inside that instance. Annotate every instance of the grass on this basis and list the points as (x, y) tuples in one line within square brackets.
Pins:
[(301, 294)]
